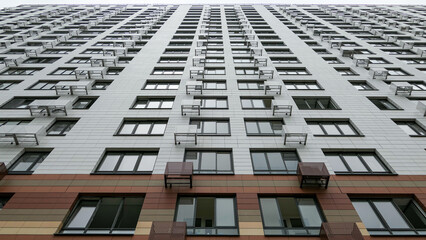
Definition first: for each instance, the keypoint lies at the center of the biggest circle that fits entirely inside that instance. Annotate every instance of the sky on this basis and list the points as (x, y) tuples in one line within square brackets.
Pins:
[(10, 3)]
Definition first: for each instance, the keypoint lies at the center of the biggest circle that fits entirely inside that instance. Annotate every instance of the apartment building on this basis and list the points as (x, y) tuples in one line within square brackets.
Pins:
[(203, 121)]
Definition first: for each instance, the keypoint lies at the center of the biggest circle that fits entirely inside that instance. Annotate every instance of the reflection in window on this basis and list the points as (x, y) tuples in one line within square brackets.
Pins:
[(104, 215), (207, 215), (290, 216), (274, 162), (210, 162)]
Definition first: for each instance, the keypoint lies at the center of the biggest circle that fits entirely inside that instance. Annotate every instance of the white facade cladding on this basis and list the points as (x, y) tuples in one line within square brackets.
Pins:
[(149, 49)]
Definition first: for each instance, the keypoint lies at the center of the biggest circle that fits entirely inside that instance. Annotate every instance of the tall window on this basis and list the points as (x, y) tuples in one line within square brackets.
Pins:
[(274, 162), (127, 163), (28, 163), (153, 103), (391, 216), (315, 103), (384, 103), (61, 127), (212, 127), (208, 215), (356, 163), (210, 162), (332, 128), (264, 127), (143, 127), (104, 215), (411, 127), (290, 216)]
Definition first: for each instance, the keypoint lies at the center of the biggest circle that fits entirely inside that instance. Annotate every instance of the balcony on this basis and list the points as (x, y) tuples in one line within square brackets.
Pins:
[(294, 135), (194, 87), (33, 52), (20, 134), (340, 231), (260, 61), (199, 61), (401, 88), (90, 72), (167, 231), (104, 61), (265, 72), (115, 51), (49, 43), (272, 88), (191, 107), (281, 107), (313, 174), (5, 43), (421, 52), (13, 61), (361, 61), (186, 134), (347, 52), (73, 88), (255, 51), (178, 173), (378, 73), (48, 107), (196, 72)]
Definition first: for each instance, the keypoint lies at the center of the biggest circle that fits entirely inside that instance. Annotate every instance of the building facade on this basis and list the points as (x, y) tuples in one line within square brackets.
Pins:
[(202, 121)]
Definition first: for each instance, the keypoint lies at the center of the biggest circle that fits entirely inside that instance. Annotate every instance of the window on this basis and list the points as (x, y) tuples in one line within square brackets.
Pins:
[(299, 85), (84, 102), (152, 85), (127, 163), (40, 60), (384, 103), (63, 71), (167, 71), (250, 85), (293, 71), (208, 215), (151, 103), (346, 71), (22, 102), (3, 201), (214, 71), (20, 71), (413, 60), (411, 127), (290, 216), (264, 127), (396, 72), (332, 60), (256, 103), (356, 163), (211, 127), (27, 163), (101, 85), (243, 60), (210, 162), (143, 127), (44, 85), (285, 60), (315, 103), (79, 60), (274, 162), (5, 85), (212, 103), (172, 60), (246, 71), (104, 215), (391, 216), (214, 85), (114, 70), (4, 122), (215, 60), (61, 127), (378, 61), (57, 51), (362, 85), (332, 128)]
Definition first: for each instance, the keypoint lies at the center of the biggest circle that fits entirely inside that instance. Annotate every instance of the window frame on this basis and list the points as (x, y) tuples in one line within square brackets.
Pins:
[(42, 155), (270, 170), (152, 123), (197, 169), (122, 154), (359, 155)]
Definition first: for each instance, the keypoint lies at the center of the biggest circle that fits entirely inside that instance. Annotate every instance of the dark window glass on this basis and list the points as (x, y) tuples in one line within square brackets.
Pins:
[(274, 162)]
